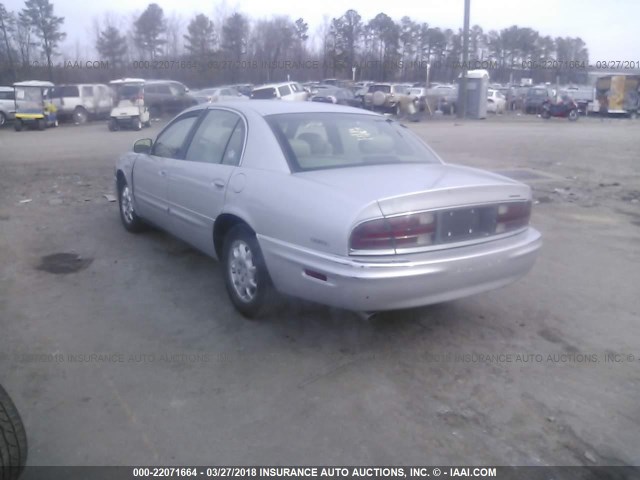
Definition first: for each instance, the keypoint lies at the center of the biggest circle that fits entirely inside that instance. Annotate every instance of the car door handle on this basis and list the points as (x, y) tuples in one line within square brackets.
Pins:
[(219, 183), (162, 173)]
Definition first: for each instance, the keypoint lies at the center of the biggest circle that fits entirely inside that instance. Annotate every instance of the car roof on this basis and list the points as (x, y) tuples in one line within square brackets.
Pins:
[(273, 85), (33, 83), (6, 89), (272, 107)]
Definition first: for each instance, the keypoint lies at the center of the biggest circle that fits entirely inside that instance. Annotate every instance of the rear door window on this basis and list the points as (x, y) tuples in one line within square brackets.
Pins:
[(211, 140)]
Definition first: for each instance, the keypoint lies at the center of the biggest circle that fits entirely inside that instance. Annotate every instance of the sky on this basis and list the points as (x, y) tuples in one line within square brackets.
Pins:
[(609, 28)]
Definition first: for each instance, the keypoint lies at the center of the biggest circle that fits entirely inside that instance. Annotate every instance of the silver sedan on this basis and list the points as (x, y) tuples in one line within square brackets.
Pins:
[(331, 204)]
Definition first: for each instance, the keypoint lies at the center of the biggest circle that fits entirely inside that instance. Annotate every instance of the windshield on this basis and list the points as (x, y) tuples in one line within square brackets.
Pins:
[(29, 99), (380, 88), (313, 141)]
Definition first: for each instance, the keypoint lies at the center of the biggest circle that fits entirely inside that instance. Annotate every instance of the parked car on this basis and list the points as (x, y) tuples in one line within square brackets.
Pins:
[(82, 101), (340, 96), (244, 88), (496, 101), (219, 94), (446, 97), (419, 94), (7, 105), (290, 91), (13, 439), (332, 204), (166, 96), (387, 97), (535, 98)]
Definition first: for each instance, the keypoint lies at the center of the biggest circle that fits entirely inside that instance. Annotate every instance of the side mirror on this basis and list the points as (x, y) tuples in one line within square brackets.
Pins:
[(143, 146)]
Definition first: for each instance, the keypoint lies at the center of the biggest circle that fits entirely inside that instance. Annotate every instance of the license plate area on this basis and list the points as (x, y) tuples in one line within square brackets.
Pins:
[(465, 224)]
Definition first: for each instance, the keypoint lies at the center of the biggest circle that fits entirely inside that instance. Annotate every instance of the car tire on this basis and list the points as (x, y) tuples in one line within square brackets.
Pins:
[(545, 114), (80, 116), (17, 125), (3, 119), (137, 124), (40, 124), (128, 216), (573, 115), (245, 272), (13, 439), (113, 125)]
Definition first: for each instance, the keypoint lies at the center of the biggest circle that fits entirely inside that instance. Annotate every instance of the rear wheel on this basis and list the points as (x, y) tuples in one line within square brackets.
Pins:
[(573, 115), (113, 125), (546, 115), (245, 272), (130, 219), (3, 119), (137, 124), (40, 124), (80, 116), (13, 439), (18, 125)]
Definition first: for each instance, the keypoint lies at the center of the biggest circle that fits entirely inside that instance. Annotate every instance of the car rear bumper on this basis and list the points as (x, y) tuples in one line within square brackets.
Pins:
[(385, 283)]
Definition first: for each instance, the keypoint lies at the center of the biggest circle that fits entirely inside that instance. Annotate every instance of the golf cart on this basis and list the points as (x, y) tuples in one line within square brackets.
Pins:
[(34, 105), (130, 111)]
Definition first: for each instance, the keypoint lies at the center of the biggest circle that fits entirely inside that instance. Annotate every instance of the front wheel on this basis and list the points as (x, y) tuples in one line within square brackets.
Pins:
[(546, 114), (573, 115), (18, 125), (113, 125), (245, 272), (130, 219), (13, 439)]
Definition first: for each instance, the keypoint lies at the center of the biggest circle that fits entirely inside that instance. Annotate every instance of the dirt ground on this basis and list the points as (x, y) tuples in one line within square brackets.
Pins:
[(139, 358)]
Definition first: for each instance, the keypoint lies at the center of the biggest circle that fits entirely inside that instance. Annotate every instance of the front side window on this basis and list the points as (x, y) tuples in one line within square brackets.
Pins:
[(212, 139), (169, 143), (313, 141), (284, 90)]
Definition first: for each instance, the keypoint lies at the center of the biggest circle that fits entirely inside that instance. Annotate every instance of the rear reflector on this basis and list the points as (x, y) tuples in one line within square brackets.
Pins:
[(316, 275)]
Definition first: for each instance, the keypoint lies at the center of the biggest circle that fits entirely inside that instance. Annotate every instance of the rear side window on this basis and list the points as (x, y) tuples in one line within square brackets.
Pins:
[(170, 141), (66, 91), (6, 95), (264, 94), (212, 138)]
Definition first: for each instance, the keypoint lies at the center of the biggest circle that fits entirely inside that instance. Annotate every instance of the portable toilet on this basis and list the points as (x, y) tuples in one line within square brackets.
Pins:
[(477, 91)]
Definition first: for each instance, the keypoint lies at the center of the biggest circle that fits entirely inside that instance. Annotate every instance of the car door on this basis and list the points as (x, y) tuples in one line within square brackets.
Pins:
[(198, 182), (150, 178)]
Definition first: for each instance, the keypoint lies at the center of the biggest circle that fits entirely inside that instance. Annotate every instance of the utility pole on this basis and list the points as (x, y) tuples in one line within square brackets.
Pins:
[(462, 109)]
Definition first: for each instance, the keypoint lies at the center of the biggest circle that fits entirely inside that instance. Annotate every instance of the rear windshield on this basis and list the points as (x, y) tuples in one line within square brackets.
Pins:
[(380, 88), (264, 93), (313, 141)]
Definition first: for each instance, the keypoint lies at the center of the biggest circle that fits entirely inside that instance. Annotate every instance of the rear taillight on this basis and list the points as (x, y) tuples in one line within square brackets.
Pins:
[(512, 216), (414, 230)]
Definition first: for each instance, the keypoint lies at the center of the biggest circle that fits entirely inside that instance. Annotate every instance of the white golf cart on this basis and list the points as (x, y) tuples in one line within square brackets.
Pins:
[(130, 111)]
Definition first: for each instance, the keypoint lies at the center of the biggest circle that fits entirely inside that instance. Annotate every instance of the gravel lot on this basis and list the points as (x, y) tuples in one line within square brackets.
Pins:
[(516, 376)]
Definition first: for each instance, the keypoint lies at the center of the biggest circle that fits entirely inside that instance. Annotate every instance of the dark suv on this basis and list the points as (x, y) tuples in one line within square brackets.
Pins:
[(166, 96)]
